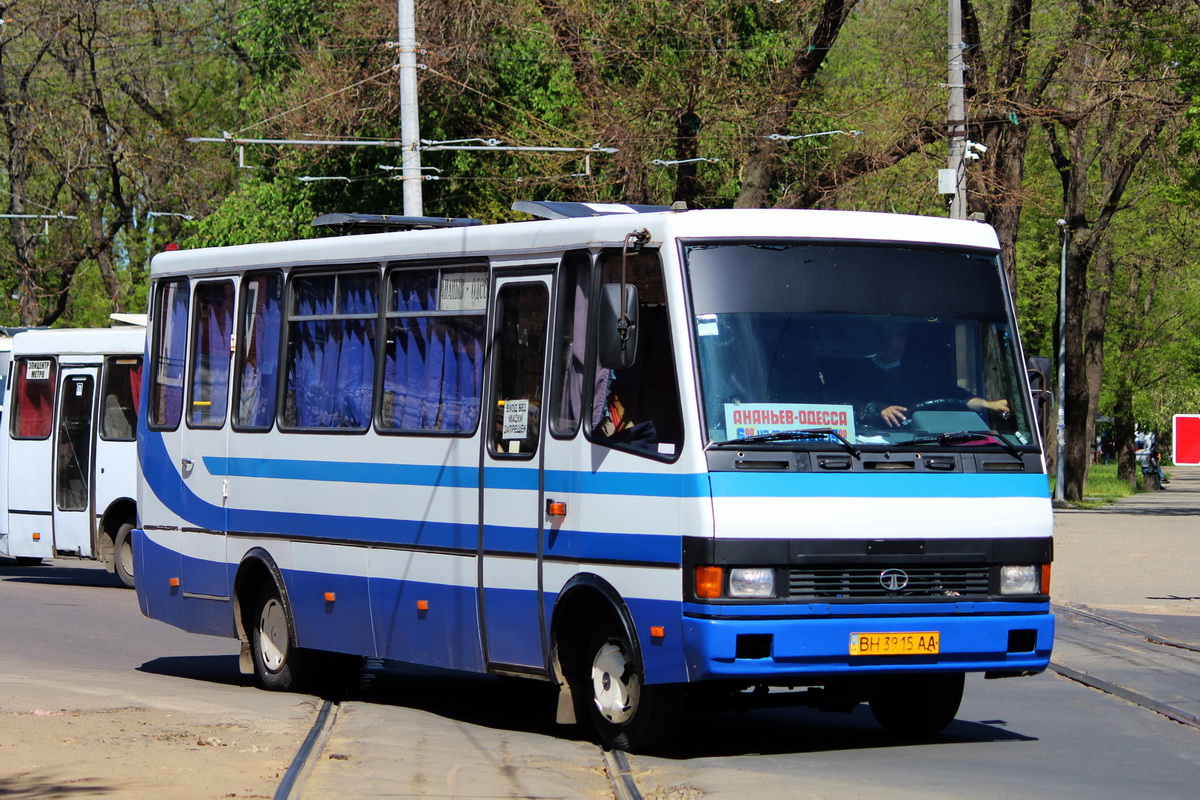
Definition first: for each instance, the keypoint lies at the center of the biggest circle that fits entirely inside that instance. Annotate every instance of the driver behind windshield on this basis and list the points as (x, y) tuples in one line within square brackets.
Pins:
[(888, 386)]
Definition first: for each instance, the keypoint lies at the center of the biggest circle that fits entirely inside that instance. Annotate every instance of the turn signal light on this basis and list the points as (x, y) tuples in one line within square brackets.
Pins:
[(709, 581), (1045, 579)]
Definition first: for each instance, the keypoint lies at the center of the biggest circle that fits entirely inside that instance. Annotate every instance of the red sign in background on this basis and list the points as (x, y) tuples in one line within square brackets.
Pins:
[(1187, 439)]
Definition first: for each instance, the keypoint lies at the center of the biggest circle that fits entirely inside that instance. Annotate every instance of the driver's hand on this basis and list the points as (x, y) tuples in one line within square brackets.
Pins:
[(894, 416), (1000, 405)]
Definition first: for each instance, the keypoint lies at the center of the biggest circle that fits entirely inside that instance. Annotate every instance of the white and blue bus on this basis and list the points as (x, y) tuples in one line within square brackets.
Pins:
[(650, 456)]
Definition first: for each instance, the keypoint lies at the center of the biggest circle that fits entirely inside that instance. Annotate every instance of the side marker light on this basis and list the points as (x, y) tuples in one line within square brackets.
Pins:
[(330, 597), (174, 582)]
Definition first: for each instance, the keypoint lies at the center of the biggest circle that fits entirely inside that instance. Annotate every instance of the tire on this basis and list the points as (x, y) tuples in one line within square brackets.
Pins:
[(123, 555), (278, 662), (626, 714), (918, 705)]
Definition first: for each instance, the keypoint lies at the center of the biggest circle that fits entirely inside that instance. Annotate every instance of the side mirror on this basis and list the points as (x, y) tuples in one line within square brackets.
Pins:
[(1039, 386), (616, 333)]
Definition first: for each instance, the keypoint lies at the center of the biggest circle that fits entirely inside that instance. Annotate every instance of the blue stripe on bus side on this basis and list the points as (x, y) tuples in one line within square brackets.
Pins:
[(169, 488), (624, 483), (857, 484)]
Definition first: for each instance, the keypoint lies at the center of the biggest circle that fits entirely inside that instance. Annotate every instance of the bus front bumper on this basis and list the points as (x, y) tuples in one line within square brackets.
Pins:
[(778, 649)]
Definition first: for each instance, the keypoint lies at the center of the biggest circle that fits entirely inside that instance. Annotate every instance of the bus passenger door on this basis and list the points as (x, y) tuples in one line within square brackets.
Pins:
[(204, 440), (74, 436), (511, 529)]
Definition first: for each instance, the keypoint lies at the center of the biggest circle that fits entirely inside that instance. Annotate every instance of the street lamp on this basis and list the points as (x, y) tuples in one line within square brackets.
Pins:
[(1062, 361)]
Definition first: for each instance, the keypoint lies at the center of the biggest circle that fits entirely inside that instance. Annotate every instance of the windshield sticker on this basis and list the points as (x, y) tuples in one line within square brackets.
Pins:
[(754, 419), (706, 325)]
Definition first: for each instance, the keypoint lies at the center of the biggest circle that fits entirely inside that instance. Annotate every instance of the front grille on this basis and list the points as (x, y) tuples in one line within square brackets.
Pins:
[(863, 583)]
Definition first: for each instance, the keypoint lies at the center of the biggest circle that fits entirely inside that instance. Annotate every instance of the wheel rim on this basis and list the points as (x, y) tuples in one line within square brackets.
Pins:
[(273, 635), (615, 686), (126, 556)]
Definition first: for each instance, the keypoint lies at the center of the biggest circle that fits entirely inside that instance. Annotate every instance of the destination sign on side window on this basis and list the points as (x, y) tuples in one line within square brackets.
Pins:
[(463, 291), (37, 370)]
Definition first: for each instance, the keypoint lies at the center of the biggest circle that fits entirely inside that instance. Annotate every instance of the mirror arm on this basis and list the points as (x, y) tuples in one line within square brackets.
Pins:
[(638, 239)]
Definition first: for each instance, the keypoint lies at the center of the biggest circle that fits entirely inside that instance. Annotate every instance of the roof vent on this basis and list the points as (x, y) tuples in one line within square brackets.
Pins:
[(375, 223), (548, 209)]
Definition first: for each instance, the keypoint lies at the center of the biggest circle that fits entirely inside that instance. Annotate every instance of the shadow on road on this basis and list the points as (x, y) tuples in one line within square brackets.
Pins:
[(57, 574), (47, 787), (528, 706), (210, 669)]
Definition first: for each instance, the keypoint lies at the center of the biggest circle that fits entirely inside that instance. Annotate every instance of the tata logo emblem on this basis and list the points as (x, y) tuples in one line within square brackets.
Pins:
[(893, 579)]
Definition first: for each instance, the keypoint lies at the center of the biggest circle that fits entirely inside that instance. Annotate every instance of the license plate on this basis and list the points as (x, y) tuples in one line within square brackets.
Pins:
[(919, 643)]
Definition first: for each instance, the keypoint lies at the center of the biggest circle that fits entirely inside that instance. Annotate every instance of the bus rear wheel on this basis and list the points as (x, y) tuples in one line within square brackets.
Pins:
[(123, 554), (626, 714), (918, 705), (277, 660)]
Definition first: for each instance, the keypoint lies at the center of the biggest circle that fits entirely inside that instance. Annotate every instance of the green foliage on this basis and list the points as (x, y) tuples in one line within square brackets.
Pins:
[(259, 211)]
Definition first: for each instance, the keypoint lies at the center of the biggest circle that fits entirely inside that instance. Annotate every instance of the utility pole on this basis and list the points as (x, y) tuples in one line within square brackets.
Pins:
[(956, 114), (410, 134), (1060, 450)]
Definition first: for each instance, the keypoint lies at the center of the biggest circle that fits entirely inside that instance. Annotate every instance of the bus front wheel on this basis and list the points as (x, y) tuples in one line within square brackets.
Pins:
[(626, 713), (918, 705), (276, 657)]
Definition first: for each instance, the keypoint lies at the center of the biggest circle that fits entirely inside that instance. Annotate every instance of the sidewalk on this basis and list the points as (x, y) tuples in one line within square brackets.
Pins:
[(1140, 555)]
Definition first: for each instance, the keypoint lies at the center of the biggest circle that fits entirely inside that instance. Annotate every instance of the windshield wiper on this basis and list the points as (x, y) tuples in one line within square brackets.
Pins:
[(963, 437), (801, 435)]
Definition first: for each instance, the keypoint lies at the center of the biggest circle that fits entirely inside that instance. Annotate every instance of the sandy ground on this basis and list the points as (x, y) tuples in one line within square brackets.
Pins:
[(81, 749)]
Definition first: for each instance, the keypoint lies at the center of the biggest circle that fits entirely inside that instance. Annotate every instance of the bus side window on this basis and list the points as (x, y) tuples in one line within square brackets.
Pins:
[(122, 391), (332, 322), (638, 408), (520, 355), (170, 337), (433, 357), (33, 398), (211, 336), (570, 344), (257, 370)]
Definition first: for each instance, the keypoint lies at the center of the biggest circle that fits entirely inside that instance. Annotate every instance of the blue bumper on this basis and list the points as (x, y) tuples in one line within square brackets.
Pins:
[(778, 649)]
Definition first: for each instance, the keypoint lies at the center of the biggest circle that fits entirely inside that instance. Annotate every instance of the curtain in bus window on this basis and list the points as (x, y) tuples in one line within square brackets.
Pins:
[(210, 374), (33, 414), (433, 373), (331, 362), (135, 388), (167, 386), (259, 341)]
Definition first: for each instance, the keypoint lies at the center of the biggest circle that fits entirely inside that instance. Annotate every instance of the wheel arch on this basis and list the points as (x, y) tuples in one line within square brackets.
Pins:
[(118, 512), (586, 601), (257, 569)]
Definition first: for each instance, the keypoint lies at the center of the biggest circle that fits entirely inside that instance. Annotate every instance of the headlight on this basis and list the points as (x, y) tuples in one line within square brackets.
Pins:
[(752, 582), (1019, 580)]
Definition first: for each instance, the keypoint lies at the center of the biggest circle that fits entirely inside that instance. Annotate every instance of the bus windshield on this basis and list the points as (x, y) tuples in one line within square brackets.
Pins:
[(881, 344)]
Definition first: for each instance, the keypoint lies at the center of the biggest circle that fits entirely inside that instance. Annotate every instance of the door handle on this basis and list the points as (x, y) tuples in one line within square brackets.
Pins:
[(186, 465)]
